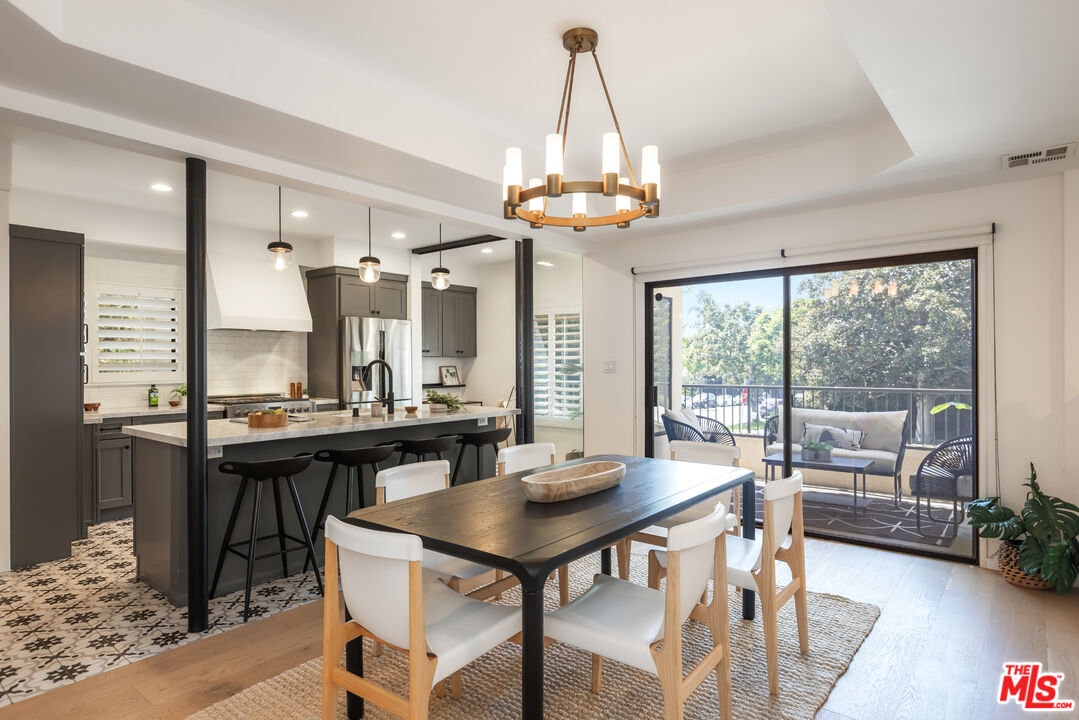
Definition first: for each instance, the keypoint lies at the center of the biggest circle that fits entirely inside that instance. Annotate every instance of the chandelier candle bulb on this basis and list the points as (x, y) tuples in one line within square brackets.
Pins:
[(513, 165), (536, 203), (554, 164), (610, 164)]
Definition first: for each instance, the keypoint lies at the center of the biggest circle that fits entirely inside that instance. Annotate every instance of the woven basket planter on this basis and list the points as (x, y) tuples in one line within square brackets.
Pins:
[(1008, 559)]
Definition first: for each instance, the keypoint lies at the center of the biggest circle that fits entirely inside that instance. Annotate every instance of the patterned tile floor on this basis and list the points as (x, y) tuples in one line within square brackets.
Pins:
[(65, 620)]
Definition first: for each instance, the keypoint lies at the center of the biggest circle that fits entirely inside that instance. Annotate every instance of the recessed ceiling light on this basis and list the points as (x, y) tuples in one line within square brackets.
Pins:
[(487, 250), (544, 263), (299, 213), (161, 187), (397, 235)]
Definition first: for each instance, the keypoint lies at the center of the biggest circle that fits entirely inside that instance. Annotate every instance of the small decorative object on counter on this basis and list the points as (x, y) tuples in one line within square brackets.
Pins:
[(451, 402), (292, 390), (268, 419), (411, 409), (299, 389), (91, 406), (153, 396), (376, 409), (179, 392)]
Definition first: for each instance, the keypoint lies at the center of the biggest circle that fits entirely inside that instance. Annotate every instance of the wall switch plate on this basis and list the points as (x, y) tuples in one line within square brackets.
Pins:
[(212, 452), (608, 367), (481, 422)]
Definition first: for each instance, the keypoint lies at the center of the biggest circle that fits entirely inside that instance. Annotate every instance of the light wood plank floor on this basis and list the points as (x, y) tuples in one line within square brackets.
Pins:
[(936, 652)]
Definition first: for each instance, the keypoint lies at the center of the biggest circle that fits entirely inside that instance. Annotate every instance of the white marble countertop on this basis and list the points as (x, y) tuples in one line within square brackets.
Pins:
[(95, 418), (225, 432)]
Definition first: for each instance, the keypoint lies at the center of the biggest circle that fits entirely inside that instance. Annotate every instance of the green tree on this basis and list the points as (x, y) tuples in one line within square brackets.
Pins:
[(717, 348)]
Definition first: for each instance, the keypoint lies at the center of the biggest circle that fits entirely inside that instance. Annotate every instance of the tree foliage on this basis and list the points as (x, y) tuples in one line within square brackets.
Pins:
[(847, 330)]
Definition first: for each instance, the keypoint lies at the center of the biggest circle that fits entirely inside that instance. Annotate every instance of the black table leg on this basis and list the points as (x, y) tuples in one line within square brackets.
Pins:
[(749, 531), (532, 652), (855, 504), (605, 561), (354, 664)]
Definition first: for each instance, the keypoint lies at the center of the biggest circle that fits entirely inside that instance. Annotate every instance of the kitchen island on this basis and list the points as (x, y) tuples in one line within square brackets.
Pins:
[(160, 483)]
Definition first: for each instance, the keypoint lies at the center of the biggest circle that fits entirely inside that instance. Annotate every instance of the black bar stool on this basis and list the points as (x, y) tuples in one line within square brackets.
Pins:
[(478, 440), (258, 472), (354, 459), (436, 446)]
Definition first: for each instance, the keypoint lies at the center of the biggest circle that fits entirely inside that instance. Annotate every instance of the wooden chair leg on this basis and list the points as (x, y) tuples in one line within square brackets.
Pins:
[(656, 572), (624, 548), (563, 585), (455, 685), (771, 640), (376, 649), (672, 696), (440, 689), (499, 575), (597, 673)]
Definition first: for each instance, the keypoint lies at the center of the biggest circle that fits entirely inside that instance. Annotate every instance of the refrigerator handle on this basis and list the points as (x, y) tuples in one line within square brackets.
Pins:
[(85, 374)]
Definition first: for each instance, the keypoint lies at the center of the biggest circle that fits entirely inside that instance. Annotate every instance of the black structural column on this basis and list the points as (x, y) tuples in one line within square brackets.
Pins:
[(526, 376), (197, 558), (788, 396)]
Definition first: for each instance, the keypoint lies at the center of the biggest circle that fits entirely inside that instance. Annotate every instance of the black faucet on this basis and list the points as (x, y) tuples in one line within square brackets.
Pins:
[(388, 399)]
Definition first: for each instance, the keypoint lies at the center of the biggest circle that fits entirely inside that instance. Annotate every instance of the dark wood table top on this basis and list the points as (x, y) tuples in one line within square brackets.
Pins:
[(491, 522), (836, 463)]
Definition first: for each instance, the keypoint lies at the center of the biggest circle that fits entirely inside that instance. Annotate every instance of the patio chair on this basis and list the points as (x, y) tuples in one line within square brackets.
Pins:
[(707, 430), (946, 473)]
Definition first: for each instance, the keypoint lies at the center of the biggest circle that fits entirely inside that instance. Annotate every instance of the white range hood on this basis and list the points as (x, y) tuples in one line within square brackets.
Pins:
[(244, 293)]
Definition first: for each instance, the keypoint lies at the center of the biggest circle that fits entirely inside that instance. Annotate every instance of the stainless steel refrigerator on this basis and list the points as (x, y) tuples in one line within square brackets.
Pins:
[(367, 339)]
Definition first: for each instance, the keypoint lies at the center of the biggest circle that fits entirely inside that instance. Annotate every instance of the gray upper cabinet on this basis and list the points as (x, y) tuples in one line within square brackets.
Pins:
[(449, 321), (431, 302), (385, 299)]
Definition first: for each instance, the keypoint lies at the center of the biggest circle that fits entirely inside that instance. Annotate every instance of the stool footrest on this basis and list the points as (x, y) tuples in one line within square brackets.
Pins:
[(274, 553)]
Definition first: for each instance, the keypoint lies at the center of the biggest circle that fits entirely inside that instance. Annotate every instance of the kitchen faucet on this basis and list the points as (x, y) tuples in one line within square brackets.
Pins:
[(388, 399)]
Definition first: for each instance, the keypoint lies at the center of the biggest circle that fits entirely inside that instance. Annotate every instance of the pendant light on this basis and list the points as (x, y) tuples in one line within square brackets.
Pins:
[(279, 253), (440, 276), (370, 267)]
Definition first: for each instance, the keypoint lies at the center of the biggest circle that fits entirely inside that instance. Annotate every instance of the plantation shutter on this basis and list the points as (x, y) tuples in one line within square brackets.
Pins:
[(542, 364), (134, 333), (557, 355)]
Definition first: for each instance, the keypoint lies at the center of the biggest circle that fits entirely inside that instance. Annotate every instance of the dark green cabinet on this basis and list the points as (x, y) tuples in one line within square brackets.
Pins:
[(385, 299), (431, 322), (449, 321)]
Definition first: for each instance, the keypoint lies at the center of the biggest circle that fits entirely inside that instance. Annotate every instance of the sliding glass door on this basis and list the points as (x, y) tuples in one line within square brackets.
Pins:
[(881, 392)]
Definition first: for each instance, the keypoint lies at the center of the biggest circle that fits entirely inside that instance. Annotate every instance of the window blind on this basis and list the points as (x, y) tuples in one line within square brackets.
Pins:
[(134, 333)]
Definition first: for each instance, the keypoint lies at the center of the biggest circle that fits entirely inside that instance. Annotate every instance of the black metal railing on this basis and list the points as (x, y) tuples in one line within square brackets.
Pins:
[(744, 408)]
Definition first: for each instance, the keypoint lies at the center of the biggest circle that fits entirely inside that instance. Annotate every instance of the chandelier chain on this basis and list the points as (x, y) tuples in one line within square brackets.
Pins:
[(617, 127)]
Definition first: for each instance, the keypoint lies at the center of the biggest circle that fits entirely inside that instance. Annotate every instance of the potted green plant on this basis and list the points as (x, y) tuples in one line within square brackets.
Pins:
[(1040, 548), (821, 452), (451, 402), (179, 392)]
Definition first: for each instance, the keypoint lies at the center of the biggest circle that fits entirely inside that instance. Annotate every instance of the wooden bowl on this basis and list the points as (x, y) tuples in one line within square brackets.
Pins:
[(411, 409), (91, 407), (174, 403), (277, 420), (572, 482)]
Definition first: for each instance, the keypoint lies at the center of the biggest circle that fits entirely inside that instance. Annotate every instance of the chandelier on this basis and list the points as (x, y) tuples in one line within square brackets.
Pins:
[(631, 201)]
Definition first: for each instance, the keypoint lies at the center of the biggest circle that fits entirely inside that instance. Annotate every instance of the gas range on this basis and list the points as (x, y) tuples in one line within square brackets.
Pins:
[(241, 405)]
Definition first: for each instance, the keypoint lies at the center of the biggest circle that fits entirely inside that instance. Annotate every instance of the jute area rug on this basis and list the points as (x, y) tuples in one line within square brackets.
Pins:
[(492, 684)]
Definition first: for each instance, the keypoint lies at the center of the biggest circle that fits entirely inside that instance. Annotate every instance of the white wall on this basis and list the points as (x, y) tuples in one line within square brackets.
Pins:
[(1036, 349)]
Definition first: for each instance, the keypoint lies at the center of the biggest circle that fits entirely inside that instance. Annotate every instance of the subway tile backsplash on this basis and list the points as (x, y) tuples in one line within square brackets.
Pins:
[(237, 361)]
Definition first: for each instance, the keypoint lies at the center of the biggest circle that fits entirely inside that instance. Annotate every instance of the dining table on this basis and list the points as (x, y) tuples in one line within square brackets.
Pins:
[(491, 522)]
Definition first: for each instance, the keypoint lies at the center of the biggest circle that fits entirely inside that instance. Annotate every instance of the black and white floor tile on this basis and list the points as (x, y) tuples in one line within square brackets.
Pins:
[(66, 620)]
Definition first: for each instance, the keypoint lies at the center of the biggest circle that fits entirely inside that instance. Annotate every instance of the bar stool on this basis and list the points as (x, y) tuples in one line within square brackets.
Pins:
[(478, 440), (258, 472), (354, 459), (436, 446)]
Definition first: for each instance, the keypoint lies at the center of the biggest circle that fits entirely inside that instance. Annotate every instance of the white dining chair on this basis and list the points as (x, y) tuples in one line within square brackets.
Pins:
[(752, 564), (687, 451), (524, 457), (391, 600), (642, 627)]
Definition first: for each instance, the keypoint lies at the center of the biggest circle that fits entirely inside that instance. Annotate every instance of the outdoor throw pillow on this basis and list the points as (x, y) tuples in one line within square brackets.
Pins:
[(684, 416), (841, 438)]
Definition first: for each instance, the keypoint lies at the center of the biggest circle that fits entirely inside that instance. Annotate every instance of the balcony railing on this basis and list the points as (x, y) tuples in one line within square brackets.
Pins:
[(744, 408)]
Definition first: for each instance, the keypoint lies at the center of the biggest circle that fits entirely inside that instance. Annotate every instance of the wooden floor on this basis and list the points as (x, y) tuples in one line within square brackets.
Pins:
[(944, 632)]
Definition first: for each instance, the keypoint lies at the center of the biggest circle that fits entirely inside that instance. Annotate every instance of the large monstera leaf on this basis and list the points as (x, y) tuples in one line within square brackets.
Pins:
[(994, 520), (1050, 547), (1060, 565)]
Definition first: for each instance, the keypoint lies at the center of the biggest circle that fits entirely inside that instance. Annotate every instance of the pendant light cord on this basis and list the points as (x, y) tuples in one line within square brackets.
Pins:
[(440, 244), (278, 213), (369, 252)]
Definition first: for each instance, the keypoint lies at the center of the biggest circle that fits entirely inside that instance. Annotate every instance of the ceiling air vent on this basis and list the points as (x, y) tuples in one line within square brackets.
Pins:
[(1037, 157)]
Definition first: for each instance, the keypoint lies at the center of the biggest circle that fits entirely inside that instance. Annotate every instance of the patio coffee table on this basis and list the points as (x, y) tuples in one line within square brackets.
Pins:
[(855, 466)]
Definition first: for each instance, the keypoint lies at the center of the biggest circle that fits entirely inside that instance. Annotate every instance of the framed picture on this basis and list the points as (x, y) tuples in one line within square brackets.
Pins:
[(448, 375)]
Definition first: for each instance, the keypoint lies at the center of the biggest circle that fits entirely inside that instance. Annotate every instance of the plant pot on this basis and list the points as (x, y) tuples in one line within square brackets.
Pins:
[(809, 454), (1008, 559), (824, 456)]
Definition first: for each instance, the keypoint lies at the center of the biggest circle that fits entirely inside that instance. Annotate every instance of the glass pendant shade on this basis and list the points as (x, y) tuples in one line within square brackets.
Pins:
[(621, 202), (535, 204), (580, 204), (513, 173), (370, 269), (279, 255), (649, 164), (610, 153), (554, 154), (440, 278)]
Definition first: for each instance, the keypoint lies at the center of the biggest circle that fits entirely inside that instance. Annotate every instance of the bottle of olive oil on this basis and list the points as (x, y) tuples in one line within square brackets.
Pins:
[(153, 396)]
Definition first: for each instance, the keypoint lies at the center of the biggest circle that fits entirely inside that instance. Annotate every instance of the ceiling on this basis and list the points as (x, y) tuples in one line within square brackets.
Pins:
[(71, 168), (756, 107)]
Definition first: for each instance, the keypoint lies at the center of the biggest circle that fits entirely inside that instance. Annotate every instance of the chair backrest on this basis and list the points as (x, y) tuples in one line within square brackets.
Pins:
[(779, 494), (695, 543), (710, 453), (374, 559), (525, 457), (678, 430), (405, 481)]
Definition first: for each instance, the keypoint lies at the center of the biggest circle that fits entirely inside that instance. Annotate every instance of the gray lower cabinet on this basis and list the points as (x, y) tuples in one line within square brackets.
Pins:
[(112, 466), (449, 321)]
